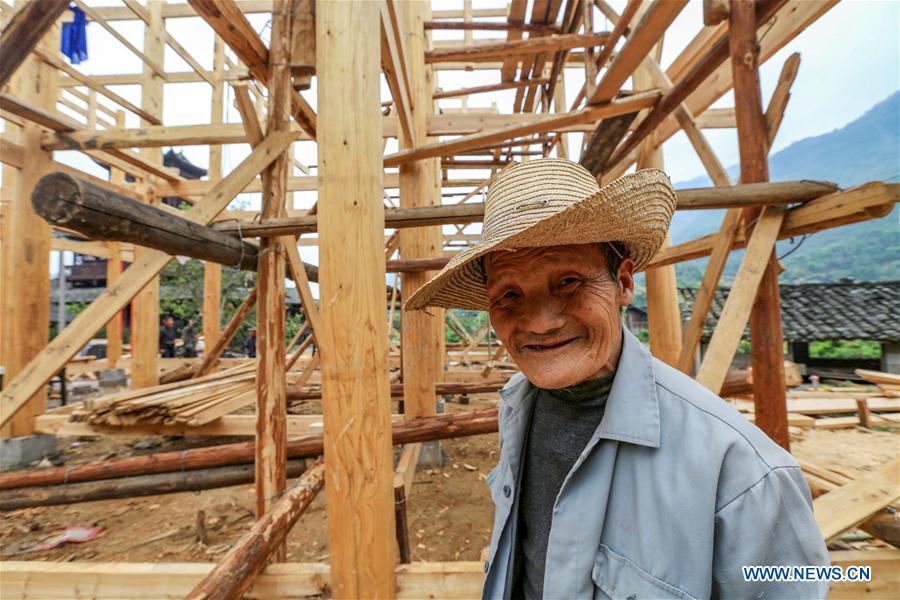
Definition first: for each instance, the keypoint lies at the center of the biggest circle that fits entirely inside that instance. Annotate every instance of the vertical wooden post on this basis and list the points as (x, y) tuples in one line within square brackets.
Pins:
[(212, 272), (663, 315), (145, 306), (420, 333), (271, 399), (355, 393), (766, 335), (113, 271), (26, 240)]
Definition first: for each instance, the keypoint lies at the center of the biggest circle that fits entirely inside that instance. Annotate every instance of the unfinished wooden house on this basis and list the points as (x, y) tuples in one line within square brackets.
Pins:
[(375, 212)]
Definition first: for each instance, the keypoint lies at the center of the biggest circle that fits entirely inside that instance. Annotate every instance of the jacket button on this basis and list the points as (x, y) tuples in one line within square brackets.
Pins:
[(507, 491), (487, 566)]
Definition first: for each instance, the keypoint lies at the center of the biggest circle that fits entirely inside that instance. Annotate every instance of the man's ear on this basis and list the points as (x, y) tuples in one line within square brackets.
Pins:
[(626, 282)]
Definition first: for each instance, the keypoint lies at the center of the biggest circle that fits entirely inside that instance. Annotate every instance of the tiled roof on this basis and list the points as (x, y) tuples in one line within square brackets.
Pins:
[(824, 311)]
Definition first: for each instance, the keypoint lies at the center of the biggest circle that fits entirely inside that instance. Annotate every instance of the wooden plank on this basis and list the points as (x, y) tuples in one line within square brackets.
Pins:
[(885, 582), (52, 358), (114, 327), (37, 580), (542, 124), (733, 319), (23, 32), (355, 396), (854, 502)]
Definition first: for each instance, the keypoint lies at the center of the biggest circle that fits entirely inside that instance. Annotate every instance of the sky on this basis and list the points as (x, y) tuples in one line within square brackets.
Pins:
[(850, 60)]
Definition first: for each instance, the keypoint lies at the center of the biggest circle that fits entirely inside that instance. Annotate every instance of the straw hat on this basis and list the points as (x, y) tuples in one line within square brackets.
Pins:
[(555, 202)]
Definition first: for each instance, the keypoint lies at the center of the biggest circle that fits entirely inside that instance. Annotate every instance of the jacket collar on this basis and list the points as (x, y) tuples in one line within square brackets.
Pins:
[(632, 410)]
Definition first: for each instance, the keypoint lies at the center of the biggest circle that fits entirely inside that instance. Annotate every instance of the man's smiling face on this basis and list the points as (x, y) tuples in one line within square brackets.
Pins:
[(556, 309)]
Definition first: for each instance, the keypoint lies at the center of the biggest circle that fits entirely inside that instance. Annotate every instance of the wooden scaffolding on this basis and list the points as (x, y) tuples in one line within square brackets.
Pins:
[(348, 47)]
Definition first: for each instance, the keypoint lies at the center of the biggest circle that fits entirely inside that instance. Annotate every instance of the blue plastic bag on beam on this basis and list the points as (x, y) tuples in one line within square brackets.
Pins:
[(74, 37)]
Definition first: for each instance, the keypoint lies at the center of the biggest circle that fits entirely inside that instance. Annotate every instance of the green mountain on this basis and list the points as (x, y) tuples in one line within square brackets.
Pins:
[(867, 149)]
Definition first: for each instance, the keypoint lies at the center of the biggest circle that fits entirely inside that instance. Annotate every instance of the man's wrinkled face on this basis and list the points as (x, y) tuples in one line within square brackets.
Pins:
[(556, 309)]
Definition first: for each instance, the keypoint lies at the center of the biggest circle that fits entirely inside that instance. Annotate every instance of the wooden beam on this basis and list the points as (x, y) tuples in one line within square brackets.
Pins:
[(90, 83), (732, 220), (395, 64), (420, 334), (144, 14), (356, 402), (764, 194), (489, 52), (541, 125), (766, 335), (869, 201), (715, 11), (245, 560), (736, 311), (45, 117), (643, 37), (490, 26), (114, 327), (24, 31), (145, 318), (483, 89), (26, 240), (62, 348), (227, 20), (271, 399), (663, 314), (83, 207), (701, 69), (212, 272)]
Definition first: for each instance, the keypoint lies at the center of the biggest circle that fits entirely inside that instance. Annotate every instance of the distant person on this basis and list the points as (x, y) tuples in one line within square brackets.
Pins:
[(250, 344), (189, 337), (167, 337)]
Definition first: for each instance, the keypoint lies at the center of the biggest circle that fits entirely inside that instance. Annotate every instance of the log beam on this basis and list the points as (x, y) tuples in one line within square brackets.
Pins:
[(62, 348), (23, 33)]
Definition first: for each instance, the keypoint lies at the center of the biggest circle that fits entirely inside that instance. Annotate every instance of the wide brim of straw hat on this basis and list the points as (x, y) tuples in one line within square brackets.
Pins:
[(634, 210)]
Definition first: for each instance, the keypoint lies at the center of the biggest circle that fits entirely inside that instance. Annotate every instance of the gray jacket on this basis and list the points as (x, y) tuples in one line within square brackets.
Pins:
[(674, 493)]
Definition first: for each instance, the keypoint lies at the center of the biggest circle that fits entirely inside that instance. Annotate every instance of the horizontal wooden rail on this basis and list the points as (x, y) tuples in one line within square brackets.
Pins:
[(739, 196)]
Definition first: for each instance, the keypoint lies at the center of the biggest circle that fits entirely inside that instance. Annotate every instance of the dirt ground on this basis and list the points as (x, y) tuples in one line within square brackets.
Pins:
[(449, 509)]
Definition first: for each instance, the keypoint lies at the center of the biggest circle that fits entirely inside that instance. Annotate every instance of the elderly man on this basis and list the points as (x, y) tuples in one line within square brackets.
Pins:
[(619, 477)]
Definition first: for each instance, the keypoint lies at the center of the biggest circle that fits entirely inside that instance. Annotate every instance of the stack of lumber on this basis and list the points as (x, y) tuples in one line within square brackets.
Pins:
[(888, 383), (192, 402)]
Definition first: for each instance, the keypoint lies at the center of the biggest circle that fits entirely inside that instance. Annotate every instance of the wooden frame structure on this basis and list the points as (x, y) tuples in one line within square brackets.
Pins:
[(48, 105)]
